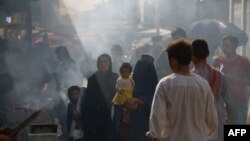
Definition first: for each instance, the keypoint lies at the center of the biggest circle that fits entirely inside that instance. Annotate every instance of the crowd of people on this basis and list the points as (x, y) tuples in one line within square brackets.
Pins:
[(180, 95)]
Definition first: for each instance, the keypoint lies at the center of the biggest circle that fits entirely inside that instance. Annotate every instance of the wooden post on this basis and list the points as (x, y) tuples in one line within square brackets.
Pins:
[(28, 23), (231, 11), (157, 17), (244, 21)]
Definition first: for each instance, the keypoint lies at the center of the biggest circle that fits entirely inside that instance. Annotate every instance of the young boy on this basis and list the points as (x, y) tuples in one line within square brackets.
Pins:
[(73, 114)]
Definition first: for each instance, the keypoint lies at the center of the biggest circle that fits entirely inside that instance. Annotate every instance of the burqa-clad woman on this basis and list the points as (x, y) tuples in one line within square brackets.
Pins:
[(145, 78), (96, 106)]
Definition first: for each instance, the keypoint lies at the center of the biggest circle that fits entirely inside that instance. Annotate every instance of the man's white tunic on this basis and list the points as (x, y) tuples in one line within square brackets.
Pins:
[(183, 109)]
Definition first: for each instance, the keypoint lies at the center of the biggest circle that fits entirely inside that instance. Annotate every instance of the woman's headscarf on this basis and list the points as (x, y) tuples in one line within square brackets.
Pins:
[(109, 59), (145, 78)]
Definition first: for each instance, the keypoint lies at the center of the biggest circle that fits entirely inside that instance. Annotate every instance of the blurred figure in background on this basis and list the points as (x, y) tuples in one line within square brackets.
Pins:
[(161, 64), (67, 73), (41, 66), (117, 58), (237, 71), (217, 82)]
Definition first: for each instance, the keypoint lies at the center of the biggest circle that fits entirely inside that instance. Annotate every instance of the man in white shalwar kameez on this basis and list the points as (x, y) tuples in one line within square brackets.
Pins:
[(216, 79), (183, 107)]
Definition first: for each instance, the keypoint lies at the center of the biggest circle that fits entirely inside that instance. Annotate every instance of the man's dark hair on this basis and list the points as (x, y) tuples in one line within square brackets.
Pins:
[(234, 40), (200, 49), (125, 65), (181, 50)]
